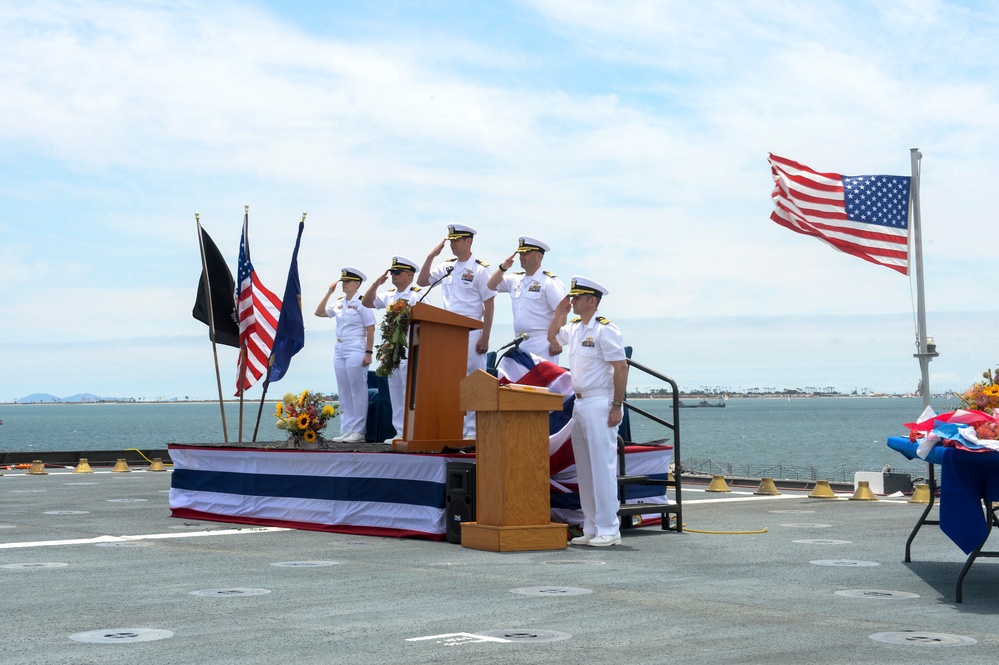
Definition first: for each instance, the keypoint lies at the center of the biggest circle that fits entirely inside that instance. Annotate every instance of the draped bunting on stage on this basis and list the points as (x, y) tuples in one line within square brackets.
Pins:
[(378, 493)]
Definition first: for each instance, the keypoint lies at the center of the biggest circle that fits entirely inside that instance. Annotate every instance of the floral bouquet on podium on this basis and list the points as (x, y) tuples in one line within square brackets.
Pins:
[(304, 417)]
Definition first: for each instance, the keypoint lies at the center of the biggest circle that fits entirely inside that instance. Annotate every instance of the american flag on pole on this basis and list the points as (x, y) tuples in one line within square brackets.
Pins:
[(258, 310), (866, 215)]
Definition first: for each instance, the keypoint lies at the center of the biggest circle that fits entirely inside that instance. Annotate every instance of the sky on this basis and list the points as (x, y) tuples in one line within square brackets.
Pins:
[(632, 137)]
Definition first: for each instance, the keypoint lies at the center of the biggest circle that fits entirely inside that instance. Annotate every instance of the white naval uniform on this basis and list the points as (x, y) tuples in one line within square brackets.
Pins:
[(464, 292), (591, 350), (534, 299), (397, 379), (351, 375)]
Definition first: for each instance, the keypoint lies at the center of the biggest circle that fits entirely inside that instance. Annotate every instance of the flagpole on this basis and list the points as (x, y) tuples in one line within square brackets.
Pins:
[(263, 396), (926, 352), (211, 324), (242, 346)]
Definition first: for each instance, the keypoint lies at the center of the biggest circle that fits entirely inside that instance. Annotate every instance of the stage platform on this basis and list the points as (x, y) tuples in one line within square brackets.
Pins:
[(368, 493)]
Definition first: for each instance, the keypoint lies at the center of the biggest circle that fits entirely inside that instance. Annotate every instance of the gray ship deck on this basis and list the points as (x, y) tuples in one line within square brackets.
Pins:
[(91, 556)]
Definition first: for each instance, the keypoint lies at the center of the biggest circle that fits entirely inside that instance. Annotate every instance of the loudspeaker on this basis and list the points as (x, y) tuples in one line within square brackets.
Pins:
[(459, 499)]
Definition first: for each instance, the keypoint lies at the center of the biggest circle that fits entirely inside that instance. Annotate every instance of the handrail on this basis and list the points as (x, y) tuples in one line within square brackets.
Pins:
[(676, 478), (675, 426), (650, 416)]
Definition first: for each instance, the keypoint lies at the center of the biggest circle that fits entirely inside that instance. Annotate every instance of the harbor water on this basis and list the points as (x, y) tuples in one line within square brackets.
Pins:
[(754, 437)]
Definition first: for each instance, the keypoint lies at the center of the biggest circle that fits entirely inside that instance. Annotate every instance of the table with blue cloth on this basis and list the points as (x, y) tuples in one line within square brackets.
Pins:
[(969, 483)]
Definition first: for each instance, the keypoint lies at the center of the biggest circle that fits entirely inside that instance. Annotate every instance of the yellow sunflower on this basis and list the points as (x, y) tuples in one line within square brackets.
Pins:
[(278, 408), (303, 421), (309, 435), (305, 396)]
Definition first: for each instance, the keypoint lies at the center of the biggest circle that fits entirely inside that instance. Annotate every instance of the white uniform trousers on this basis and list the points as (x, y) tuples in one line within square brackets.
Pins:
[(537, 343), (352, 384), (397, 392), (475, 361), (594, 447)]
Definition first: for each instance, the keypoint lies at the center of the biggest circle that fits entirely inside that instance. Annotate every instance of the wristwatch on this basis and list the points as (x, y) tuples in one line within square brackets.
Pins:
[(616, 402)]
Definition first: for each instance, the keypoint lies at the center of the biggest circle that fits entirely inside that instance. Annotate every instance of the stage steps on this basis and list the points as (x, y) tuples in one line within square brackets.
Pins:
[(672, 481)]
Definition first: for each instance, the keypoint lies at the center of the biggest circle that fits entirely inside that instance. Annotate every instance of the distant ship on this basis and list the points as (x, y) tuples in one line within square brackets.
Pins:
[(704, 403)]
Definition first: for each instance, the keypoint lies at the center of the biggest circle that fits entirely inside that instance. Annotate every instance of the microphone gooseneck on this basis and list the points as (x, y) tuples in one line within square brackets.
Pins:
[(429, 288)]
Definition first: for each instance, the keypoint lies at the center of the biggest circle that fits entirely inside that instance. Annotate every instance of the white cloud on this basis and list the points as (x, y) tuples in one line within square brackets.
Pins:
[(632, 136)]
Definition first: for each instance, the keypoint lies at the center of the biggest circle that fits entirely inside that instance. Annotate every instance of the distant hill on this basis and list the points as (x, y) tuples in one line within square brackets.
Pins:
[(40, 398)]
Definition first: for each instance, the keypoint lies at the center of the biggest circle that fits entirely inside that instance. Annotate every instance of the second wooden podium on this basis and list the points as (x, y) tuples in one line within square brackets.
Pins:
[(512, 492)]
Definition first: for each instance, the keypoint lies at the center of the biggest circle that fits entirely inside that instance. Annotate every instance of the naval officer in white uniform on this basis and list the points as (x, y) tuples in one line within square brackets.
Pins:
[(534, 293), (355, 337), (464, 288), (402, 271), (599, 370)]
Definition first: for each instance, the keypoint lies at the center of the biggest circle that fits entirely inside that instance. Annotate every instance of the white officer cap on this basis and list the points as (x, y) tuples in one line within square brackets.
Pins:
[(456, 231), (529, 244), (351, 274), (581, 286), (402, 263)]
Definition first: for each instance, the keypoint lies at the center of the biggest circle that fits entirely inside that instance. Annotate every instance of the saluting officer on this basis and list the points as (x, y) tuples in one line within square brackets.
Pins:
[(534, 293), (355, 336), (464, 288), (402, 271), (599, 372)]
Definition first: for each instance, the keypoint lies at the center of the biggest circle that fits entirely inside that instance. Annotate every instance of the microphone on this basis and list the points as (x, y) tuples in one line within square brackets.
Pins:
[(446, 273), (516, 341)]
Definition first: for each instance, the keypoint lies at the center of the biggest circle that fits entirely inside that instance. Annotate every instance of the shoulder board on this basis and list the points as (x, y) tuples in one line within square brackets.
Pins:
[(391, 290), (452, 259), (551, 274), (520, 272), (577, 319), (482, 263), (417, 288), (604, 320)]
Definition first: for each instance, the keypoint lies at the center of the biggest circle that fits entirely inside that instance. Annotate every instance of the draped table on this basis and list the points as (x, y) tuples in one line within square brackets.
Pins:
[(969, 483)]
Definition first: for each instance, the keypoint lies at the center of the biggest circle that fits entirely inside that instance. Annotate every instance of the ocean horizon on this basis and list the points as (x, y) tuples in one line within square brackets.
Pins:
[(829, 437)]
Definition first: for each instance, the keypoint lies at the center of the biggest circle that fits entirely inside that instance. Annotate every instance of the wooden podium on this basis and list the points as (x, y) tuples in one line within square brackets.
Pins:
[(438, 361), (512, 494)]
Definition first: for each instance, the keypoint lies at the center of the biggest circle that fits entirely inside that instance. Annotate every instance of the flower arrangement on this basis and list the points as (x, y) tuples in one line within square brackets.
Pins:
[(395, 329), (304, 417), (984, 397)]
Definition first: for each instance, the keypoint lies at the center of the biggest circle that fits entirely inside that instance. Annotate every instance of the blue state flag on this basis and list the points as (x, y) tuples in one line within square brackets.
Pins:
[(290, 336)]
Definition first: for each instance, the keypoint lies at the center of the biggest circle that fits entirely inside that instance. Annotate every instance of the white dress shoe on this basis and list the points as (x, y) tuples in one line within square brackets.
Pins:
[(582, 540), (353, 437), (339, 439), (390, 441), (605, 541)]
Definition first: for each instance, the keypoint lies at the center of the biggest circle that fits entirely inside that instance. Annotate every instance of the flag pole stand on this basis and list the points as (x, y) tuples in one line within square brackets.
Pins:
[(211, 325)]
